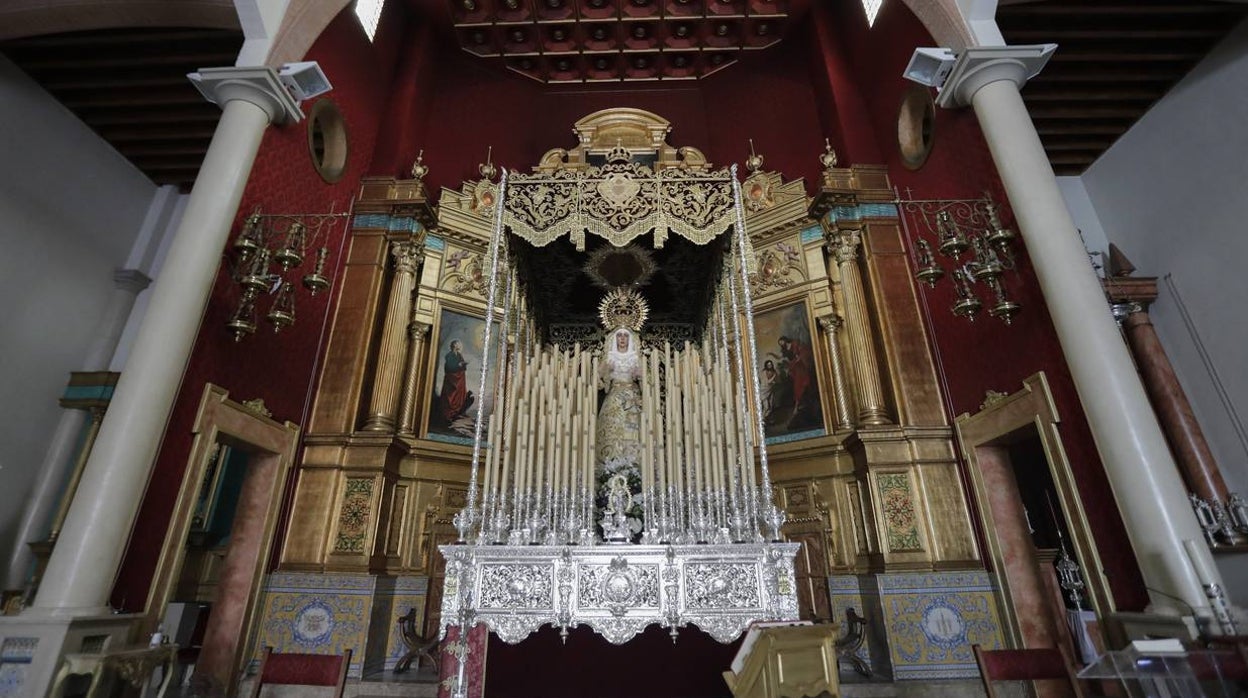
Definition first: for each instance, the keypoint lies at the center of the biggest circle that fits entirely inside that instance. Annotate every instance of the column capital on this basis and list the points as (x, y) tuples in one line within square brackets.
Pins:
[(407, 255), (258, 85), (978, 66), (131, 280), (830, 323), (843, 244), (418, 330)]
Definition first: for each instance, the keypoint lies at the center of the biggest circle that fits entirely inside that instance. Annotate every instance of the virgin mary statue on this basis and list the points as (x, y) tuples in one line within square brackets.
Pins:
[(619, 418), (618, 457)]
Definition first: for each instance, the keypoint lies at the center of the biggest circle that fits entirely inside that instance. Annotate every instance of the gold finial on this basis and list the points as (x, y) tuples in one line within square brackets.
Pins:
[(419, 169), (755, 162), (829, 156), (488, 170)]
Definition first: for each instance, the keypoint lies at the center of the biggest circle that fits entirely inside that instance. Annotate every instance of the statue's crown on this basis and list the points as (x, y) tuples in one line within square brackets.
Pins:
[(623, 307)]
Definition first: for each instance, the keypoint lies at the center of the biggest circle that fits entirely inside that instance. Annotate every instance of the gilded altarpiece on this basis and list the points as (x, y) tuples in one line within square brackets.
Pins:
[(867, 475)]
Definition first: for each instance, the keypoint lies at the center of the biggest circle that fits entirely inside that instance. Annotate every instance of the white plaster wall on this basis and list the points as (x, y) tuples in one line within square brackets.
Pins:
[(70, 207), (1172, 193)]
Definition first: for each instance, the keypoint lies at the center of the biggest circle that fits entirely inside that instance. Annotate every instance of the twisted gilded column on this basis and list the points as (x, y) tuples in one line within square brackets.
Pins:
[(832, 325), (390, 358), (842, 248), (416, 333)]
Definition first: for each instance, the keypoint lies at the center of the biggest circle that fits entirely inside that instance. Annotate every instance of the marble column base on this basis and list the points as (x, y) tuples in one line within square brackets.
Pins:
[(33, 644)]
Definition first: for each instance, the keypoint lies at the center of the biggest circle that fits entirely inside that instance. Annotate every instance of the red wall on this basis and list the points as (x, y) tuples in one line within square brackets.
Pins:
[(983, 355), (276, 367), (471, 104)]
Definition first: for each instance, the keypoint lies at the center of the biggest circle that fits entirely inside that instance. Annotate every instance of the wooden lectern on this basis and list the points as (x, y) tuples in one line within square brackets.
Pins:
[(786, 661)]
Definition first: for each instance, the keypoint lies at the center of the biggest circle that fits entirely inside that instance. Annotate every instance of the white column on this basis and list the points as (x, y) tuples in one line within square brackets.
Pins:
[(88, 553), (1141, 471), (127, 283)]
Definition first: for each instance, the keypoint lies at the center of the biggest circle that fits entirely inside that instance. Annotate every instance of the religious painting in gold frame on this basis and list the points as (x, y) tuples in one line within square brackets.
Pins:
[(454, 406), (788, 380)]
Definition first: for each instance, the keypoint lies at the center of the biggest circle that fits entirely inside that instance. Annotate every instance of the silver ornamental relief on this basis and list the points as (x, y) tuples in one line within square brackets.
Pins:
[(517, 587), (619, 586), (721, 586), (513, 627)]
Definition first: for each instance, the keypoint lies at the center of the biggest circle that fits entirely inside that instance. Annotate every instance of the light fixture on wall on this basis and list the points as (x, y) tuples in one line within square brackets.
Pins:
[(267, 249), (958, 228)]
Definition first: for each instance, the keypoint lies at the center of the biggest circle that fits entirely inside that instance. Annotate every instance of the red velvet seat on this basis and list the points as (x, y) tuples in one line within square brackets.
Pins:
[(1026, 665), (303, 670)]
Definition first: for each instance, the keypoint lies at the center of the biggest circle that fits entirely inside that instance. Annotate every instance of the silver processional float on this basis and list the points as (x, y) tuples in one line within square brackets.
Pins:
[(648, 509)]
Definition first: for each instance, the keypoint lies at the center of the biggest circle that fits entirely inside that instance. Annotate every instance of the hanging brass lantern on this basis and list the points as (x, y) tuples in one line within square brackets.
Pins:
[(952, 241), (929, 271), (243, 322), (987, 265), (282, 314), (291, 254), (256, 280), (317, 281), (999, 235), (967, 305), (1004, 308), (249, 238)]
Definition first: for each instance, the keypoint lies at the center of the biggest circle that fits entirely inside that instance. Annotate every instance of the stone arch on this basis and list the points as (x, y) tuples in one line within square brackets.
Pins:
[(300, 28), (944, 20)]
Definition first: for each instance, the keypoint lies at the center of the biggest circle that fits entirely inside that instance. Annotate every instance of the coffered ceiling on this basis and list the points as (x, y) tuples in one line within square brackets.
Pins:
[(569, 41)]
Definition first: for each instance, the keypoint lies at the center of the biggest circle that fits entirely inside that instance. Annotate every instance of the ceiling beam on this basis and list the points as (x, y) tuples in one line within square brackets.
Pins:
[(122, 38), (1058, 36), (123, 133), (1129, 9), (1054, 93), (1062, 144), (1095, 56), (1066, 129), (1060, 74), (117, 117), (1084, 112), (191, 60), (140, 98)]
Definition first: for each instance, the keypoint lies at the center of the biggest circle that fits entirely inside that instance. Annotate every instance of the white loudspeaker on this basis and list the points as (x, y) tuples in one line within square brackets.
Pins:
[(304, 80), (930, 66)]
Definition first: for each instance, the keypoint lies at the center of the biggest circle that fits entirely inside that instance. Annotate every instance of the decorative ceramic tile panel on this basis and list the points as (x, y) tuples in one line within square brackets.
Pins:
[(900, 522), (353, 517), (932, 620), (16, 653), (317, 613)]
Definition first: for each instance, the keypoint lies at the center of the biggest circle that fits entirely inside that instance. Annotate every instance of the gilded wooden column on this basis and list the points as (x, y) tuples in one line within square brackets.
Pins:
[(842, 246), (832, 325), (390, 358), (416, 333)]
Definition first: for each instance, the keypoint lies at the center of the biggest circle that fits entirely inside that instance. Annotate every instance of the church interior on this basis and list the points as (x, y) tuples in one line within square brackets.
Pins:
[(451, 339)]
